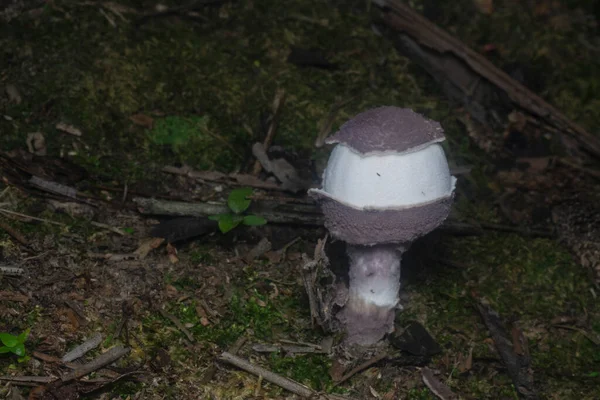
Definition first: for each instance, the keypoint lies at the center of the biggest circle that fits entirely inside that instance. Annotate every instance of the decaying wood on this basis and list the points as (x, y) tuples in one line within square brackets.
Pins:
[(276, 379), (517, 365), (11, 271), (101, 361), (272, 211), (83, 348), (473, 79)]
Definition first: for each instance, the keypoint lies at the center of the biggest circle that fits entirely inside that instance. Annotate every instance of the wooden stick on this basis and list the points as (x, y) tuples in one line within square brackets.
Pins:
[(14, 233), (272, 377), (358, 368), (274, 212), (103, 360), (83, 348), (403, 18), (277, 109), (178, 324), (5, 211)]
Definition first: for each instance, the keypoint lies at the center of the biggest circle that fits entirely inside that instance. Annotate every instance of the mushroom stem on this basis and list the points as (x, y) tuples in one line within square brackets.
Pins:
[(372, 294)]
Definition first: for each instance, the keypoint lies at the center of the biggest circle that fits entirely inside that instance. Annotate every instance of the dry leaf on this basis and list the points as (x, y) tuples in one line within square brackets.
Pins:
[(143, 120), (484, 6), (70, 129), (171, 291), (172, 251), (36, 143), (14, 96), (147, 245)]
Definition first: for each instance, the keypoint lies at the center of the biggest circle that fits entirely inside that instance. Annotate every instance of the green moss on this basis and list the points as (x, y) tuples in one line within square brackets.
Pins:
[(309, 369)]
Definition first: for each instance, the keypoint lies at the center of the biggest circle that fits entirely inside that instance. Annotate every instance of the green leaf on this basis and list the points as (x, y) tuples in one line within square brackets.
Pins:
[(8, 339), (19, 350), (237, 200), (254, 220), (23, 336), (4, 349), (228, 221)]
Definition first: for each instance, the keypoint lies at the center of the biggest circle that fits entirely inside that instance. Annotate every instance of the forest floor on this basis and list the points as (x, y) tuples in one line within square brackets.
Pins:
[(100, 97)]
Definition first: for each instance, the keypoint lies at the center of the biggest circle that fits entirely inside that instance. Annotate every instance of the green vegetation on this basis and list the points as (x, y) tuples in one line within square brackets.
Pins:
[(238, 202), (14, 344)]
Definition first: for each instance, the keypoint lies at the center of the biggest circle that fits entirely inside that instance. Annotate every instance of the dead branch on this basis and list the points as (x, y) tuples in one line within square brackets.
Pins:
[(272, 377), (11, 271), (178, 324), (361, 367), (83, 348), (518, 365), (5, 295), (101, 361), (274, 212), (234, 349), (470, 77), (441, 390), (278, 104), (27, 380), (14, 233)]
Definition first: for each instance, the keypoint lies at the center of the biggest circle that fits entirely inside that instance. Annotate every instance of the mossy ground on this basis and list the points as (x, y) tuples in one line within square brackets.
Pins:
[(207, 84)]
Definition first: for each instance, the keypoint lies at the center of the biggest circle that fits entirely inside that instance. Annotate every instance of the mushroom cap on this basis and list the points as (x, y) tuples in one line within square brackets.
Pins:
[(388, 129), (387, 180)]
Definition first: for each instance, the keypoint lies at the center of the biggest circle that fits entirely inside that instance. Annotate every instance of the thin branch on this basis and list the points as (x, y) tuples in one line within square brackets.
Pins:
[(278, 104), (5, 211), (83, 348), (178, 324), (272, 377), (101, 361)]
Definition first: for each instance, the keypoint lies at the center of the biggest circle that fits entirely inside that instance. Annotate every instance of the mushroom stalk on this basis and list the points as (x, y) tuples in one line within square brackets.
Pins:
[(373, 292)]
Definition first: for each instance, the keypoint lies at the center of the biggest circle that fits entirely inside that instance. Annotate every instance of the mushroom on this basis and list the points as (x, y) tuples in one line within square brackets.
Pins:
[(387, 182)]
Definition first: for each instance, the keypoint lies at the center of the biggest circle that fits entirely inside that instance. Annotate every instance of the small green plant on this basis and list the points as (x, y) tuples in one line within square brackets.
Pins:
[(14, 344), (237, 202)]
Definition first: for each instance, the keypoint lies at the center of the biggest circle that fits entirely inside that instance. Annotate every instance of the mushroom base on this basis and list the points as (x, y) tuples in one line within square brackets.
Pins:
[(368, 314)]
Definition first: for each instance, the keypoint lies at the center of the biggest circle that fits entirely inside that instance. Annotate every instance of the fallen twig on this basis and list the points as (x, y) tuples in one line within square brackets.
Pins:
[(278, 104), (273, 212), (11, 271), (272, 377), (108, 227), (363, 366), (326, 123), (12, 296), (470, 77), (230, 179), (101, 361), (83, 348), (5, 211), (27, 380), (14, 233), (234, 349), (441, 390), (178, 324), (517, 365)]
